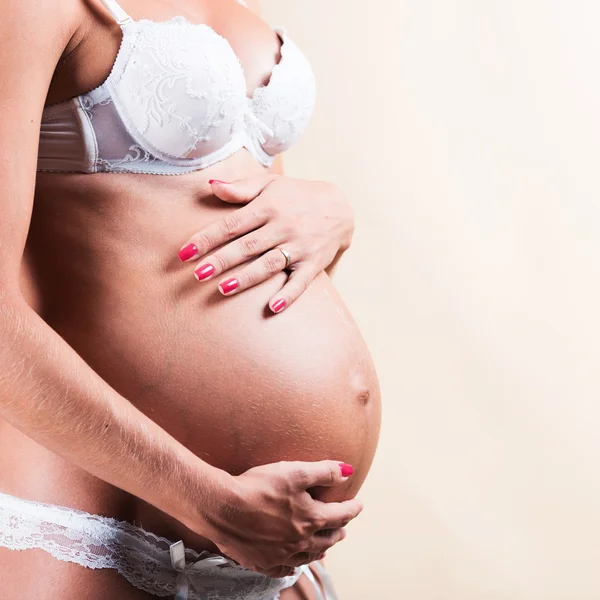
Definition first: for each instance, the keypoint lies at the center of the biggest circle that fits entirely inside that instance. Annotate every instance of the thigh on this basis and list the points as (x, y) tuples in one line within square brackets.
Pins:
[(35, 574)]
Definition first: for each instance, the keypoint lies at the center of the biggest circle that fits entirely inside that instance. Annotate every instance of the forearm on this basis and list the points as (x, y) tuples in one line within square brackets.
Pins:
[(48, 392)]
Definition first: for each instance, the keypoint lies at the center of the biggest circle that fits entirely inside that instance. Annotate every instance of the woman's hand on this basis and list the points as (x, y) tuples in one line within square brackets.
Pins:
[(266, 520), (310, 220)]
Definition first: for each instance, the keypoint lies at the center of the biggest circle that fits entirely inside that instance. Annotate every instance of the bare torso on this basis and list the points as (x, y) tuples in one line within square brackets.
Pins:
[(236, 385)]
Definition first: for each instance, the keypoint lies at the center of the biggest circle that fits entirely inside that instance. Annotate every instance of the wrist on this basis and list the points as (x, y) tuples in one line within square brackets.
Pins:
[(206, 490)]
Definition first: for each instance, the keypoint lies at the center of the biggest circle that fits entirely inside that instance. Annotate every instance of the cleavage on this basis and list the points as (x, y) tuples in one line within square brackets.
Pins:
[(85, 68)]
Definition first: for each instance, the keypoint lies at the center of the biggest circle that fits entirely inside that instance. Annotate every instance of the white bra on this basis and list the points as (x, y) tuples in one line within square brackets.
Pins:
[(176, 101)]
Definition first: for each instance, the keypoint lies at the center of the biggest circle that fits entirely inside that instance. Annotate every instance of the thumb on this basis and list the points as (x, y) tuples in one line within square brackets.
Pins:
[(241, 190), (324, 473)]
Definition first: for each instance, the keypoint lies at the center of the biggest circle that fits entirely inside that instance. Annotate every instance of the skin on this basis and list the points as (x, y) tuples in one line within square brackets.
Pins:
[(95, 256)]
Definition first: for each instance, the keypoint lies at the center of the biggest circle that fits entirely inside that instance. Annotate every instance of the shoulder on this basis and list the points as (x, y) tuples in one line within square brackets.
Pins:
[(63, 14)]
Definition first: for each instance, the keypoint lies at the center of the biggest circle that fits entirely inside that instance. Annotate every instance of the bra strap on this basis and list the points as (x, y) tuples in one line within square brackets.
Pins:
[(116, 11)]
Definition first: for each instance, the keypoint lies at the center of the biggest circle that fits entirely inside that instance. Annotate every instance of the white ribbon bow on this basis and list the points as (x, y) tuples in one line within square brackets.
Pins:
[(177, 551)]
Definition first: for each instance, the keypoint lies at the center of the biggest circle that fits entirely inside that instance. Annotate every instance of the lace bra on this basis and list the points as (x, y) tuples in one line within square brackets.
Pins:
[(176, 101)]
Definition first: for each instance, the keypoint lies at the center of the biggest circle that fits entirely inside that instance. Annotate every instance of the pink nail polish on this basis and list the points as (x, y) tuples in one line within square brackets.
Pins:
[(217, 181), (188, 251), (347, 469), (204, 272), (279, 305), (229, 285)]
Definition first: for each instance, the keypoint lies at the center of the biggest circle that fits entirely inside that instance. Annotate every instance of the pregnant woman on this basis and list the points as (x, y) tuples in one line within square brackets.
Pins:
[(187, 407)]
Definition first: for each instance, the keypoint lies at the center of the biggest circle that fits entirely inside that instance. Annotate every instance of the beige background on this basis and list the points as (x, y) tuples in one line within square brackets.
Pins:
[(466, 134)]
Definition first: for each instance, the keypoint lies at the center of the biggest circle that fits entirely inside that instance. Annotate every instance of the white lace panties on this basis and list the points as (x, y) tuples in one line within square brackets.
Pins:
[(152, 563)]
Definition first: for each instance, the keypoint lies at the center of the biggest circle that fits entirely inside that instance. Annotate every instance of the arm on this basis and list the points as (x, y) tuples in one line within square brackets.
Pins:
[(262, 518), (47, 391)]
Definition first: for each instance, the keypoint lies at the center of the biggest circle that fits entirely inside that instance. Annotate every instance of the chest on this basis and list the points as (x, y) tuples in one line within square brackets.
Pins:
[(182, 92), (98, 40)]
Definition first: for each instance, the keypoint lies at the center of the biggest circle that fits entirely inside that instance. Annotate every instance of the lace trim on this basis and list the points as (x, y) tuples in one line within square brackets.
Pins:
[(146, 560), (244, 120)]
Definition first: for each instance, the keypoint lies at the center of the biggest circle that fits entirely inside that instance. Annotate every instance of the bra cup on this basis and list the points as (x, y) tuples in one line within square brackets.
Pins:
[(182, 93), (286, 104), (176, 101)]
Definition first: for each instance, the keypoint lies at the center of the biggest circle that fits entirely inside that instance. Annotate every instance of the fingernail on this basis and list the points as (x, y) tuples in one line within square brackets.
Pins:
[(204, 272), (279, 305), (217, 181), (188, 251), (229, 285), (347, 469)]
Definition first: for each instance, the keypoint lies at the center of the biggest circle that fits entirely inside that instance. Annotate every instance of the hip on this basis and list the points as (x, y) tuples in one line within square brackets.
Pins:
[(152, 564)]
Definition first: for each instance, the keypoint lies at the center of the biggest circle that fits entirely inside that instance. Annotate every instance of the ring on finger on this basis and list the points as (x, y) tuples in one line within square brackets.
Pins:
[(288, 257)]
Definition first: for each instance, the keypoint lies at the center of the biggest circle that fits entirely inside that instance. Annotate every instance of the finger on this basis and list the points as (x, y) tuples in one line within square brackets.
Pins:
[(323, 473), (304, 558), (241, 190), (336, 515), (281, 571), (296, 285), (237, 252), (325, 539), (260, 270), (227, 228)]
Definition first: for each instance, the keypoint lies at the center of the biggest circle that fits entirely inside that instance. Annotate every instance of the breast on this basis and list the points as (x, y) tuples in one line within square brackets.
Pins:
[(176, 101), (180, 88)]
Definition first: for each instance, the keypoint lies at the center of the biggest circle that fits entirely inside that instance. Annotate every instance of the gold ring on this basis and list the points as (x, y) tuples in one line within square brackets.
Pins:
[(288, 258)]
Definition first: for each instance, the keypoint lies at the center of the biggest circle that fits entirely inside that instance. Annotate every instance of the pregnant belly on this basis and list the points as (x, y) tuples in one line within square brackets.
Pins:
[(241, 387), (237, 385)]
